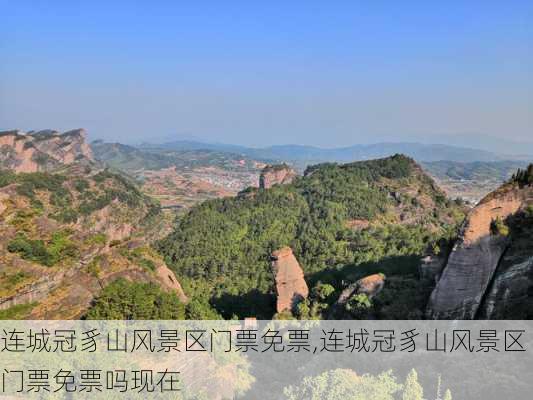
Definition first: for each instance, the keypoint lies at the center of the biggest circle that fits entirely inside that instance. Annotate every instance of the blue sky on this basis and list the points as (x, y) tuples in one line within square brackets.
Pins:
[(257, 73)]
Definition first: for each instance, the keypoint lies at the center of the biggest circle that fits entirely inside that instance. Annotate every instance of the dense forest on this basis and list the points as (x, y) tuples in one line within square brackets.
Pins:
[(220, 249), (123, 300)]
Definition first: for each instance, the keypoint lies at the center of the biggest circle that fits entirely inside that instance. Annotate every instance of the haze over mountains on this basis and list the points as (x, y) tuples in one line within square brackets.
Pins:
[(463, 172), (506, 147), (303, 155)]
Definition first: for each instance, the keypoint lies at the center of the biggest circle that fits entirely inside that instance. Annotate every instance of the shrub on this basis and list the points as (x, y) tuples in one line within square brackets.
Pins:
[(322, 291), (66, 216), (498, 227), (358, 305), (6, 178), (60, 246), (524, 176), (146, 263), (23, 219), (20, 311), (94, 267), (32, 250), (61, 198), (81, 185), (97, 239), (31, 182)]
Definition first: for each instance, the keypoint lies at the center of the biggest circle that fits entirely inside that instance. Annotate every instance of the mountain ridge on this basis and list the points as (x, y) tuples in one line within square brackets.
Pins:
[(38, 151), (69, 228), (304, 154)]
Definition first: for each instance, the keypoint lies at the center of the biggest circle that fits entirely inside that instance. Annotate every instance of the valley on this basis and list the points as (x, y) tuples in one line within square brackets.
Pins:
[(85, 228), (182, 178)]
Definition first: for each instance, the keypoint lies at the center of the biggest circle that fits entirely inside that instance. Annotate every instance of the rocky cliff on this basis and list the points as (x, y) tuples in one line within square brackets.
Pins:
[(43, 150), (272, 175), (489, 266), (63, 237), (66, 234), (290, 283)]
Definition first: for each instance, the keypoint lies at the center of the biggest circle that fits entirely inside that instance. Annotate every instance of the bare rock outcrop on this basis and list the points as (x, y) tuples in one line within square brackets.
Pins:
[(43, 150), (291, 287), (272, 175), (370, 285), (169, 281), (3, 198), (475, 257)]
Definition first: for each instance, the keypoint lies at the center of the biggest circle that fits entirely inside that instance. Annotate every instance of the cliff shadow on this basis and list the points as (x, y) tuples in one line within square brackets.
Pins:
[(250, 304), (390, 266), (404, 295)]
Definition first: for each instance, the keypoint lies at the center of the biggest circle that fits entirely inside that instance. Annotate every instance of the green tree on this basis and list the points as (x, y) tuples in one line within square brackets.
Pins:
[(498, 227), (197, 309), (358, 305), (123, 300), (303, 311), (322, 291), (412, 390), (341, 384)]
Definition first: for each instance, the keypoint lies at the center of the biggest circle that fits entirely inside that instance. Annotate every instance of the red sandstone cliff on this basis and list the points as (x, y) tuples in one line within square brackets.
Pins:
[(370, 285), (42, 151), (474, 265), (290, 283), (276, 175)]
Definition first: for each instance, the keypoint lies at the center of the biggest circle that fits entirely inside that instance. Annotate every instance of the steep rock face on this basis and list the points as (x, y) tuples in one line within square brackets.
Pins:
[(510, 294), (290, 283), (276, 175), (475, 257), (43, 150), (510, 290)]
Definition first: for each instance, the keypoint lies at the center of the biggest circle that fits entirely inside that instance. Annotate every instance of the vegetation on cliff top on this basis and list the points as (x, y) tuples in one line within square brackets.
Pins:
[(524, 176), (46, 253), (71, 197), (123, 300)]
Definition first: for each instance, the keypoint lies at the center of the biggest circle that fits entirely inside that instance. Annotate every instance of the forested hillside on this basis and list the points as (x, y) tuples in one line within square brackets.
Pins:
[(342, 221)]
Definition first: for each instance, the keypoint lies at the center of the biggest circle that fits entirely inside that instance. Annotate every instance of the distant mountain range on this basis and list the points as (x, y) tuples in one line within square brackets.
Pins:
[(510, 149), (303, 155)]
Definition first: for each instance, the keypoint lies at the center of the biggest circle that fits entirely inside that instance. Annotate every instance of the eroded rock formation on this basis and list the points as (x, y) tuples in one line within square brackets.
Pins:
[(43, 150), (291, 287), (370, 285), (276, 175), (98, 222), (170, 282), (476, 260)]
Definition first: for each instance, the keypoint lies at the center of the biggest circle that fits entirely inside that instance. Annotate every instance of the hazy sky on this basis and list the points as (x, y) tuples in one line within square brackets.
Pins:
[(326, 73)]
